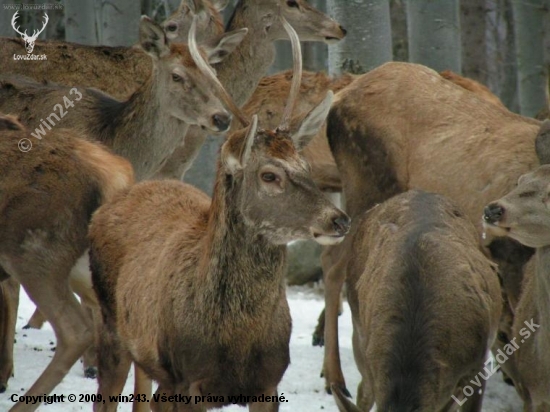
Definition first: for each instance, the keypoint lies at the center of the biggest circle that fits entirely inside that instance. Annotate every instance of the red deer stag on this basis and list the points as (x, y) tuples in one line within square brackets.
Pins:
[(523, 215), (415, 130), (425, 304), (209, 312), (141, 129), (44, 231), (241, 72), (118, 71)]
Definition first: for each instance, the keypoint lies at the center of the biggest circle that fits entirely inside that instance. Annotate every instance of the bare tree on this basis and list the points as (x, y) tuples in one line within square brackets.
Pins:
[(400, 40), (528, 18), (80, 22), (434, 34), (473, 29), (369, 41), (5, 19), (120, 22)]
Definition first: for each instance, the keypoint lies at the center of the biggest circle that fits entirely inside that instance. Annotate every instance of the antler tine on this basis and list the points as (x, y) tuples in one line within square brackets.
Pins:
[(13, 20), (47, 19), (205, 68), (296, 76)]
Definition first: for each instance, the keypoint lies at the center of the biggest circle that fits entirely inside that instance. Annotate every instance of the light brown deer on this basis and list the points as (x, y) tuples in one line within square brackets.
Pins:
[(425, 305), (523, 215), (148, 125), (269, 98), (241, 72), (209, 314), (415, 130), (44, 231), (118, 71)]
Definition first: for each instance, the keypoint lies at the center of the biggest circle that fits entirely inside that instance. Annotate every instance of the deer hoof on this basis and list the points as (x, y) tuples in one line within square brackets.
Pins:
[(342, 388), (3, 387), (317, 340), (90, 372)]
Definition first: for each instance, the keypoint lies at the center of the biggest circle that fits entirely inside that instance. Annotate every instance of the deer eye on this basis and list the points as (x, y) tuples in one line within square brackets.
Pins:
[(292, 3), (177, 78), (172, 27), (269, 177)]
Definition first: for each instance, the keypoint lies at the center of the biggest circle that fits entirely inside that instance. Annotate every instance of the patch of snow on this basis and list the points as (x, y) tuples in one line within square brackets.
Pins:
[(301, 385)]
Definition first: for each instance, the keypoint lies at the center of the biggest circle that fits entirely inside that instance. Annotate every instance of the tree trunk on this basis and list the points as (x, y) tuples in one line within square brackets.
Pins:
[(6, 15), (368, 43), (474, 50), (528, 18), (120, 22), (316, 53), (80, 26), (434, 34), (400, 40)]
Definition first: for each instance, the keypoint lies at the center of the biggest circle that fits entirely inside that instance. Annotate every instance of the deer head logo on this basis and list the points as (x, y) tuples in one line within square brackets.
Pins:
[(29, 40)]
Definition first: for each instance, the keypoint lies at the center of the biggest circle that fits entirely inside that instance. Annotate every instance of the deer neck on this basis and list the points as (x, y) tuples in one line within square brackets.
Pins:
[(140, 128), (242, 70), (541, 290), (242, 271)]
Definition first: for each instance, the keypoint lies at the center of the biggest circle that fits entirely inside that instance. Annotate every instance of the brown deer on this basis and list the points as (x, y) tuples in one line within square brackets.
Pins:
[(268, 101), (241, 72), (209, 314), (415, 130), (44, 231), (425, 304), (137, 129), (523, 215), (147, 126), (118, 71)]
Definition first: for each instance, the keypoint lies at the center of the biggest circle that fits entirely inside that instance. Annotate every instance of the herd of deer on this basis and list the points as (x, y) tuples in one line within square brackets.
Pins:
[(191, 289)]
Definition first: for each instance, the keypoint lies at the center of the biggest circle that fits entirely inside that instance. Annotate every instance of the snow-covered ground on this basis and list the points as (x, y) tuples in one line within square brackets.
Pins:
[(301, 385)]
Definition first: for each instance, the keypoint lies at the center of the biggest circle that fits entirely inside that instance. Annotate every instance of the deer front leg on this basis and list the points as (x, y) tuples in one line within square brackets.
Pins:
[(9, 302), (332, 370), (143, 387), (265, 406)]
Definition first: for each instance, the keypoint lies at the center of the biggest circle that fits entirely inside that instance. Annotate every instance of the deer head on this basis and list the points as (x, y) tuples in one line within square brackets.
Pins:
[(268, 176), (182, 86), (209, 24), (29, 40)]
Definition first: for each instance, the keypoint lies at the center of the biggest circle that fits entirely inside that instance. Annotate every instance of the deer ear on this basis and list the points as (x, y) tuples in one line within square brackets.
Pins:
[(196, 6), (312, 123), (152, 38), (235, 158), (218, 50), (542, 143)]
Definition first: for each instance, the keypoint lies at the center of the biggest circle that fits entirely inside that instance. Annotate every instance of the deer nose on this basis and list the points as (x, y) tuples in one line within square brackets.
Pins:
[(221, 121), (493, 213), (343, 30), (341, 224)]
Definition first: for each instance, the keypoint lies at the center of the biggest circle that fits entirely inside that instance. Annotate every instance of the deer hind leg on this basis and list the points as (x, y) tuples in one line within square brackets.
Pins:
[(9, 301), (143, 387), (45, 280), (36, 321), (114, 363), (332, 369)]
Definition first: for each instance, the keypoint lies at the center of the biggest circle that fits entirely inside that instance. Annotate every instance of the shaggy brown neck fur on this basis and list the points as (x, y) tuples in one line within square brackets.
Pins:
[(241, 267), (242, 70), (542, 293)]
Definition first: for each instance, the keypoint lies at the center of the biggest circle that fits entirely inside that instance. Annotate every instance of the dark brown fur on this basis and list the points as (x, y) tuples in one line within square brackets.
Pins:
[(425, 303), (44, 231), (414, 129)]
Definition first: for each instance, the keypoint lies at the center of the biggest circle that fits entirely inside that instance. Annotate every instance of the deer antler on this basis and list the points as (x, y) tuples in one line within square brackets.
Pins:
[(37, 33), (205, 68), (296, 75), (14, 18)]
